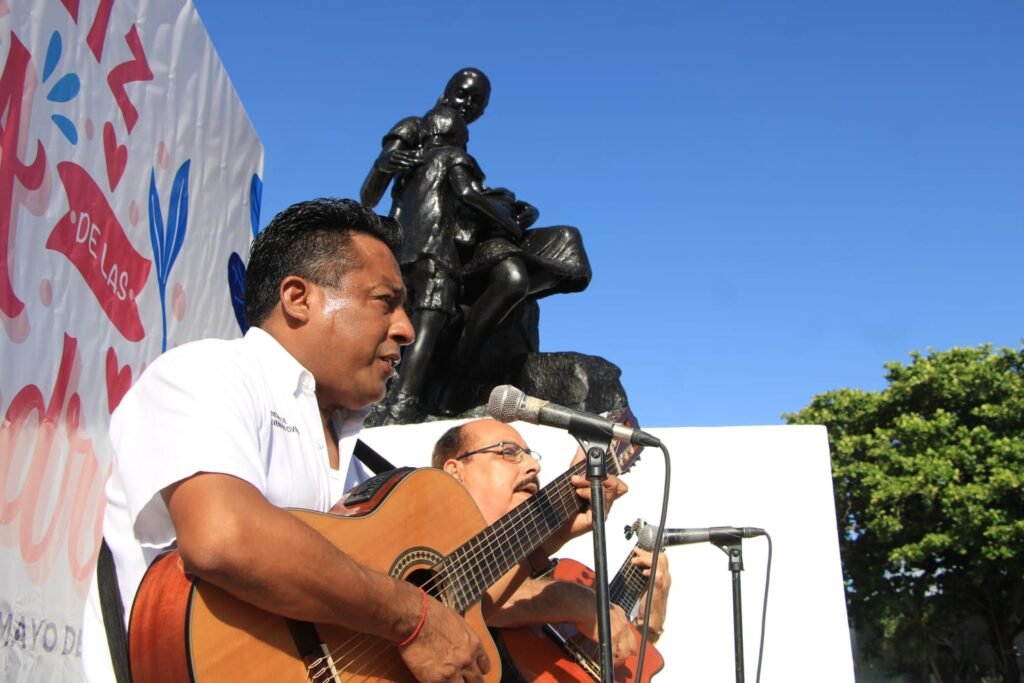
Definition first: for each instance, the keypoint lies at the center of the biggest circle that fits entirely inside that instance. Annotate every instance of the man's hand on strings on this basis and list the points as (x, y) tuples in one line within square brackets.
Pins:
[(445, 649), (584, 521)]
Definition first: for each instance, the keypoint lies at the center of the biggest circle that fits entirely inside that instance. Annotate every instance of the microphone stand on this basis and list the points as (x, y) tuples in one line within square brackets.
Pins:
[(597, 473), (734, 549)]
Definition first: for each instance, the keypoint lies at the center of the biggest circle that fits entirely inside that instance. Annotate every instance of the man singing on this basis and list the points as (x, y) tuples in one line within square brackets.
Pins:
[(216, 437)]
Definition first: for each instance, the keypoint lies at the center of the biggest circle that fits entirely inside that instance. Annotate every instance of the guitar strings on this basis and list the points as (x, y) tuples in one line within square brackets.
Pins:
[(530, 514), (627, 586), (382, 646), (624, 591), (491, 535), (633, 584), (506, 530), (539, 515)]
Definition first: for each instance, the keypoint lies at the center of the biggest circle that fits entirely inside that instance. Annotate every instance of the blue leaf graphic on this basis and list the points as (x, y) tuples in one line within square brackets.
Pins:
[(236, 285), (156, 226), (255, 197), (65, 126), (65, 89), (177, 217), (52, 56)]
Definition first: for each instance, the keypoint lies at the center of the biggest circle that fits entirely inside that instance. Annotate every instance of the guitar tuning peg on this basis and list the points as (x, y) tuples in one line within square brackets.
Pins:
[(634, 528)]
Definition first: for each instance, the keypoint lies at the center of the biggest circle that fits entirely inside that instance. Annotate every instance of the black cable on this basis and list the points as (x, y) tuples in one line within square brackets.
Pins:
[(654, 568), (654, 563), (764, 606)]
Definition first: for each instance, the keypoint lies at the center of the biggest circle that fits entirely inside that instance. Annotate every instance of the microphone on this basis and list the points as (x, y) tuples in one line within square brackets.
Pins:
[(508, 403), (715, 534)]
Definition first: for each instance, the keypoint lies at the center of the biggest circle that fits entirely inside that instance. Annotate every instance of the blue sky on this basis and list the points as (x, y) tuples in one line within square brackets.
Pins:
[(776, 198)]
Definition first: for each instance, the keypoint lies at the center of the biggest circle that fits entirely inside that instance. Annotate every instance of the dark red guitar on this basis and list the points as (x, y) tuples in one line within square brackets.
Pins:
[(560, 654)]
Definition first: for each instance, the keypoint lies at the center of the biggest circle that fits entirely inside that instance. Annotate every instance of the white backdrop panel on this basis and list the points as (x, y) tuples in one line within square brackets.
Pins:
[(777, 478)]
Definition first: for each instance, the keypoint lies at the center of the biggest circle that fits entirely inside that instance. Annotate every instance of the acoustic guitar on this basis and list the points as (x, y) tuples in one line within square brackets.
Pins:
[(412, 524), (560, 654)]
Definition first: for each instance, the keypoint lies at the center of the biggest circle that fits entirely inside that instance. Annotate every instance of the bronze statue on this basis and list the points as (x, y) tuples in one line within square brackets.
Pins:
[(469, 257)]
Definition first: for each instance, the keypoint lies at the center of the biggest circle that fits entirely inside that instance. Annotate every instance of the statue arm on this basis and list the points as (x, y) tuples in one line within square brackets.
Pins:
[(400, 152), (395, 157), (470, 191)]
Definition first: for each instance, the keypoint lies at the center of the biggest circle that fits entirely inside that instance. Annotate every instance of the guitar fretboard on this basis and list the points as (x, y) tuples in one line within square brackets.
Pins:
[(627, 586), (475, 565)]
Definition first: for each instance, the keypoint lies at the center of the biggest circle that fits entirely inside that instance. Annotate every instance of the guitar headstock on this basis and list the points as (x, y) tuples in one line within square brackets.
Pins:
[(633, 529), (623, 454)]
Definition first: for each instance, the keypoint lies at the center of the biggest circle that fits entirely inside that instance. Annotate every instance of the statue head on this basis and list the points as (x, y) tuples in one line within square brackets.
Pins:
[(442, 126), (468, 92)]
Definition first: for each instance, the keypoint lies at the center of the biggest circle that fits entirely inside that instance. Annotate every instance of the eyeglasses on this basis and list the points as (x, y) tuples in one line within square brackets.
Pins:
[(510, 452)]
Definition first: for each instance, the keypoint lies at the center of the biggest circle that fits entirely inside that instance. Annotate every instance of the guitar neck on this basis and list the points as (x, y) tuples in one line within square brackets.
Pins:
[(628, 585), (477, 564)]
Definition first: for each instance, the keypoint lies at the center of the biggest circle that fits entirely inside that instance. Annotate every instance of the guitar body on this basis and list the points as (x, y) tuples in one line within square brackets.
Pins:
[(541, 659), (184, 629)]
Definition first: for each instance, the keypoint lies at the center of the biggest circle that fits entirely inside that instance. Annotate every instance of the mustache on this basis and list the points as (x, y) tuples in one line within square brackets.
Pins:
[(521, 486)]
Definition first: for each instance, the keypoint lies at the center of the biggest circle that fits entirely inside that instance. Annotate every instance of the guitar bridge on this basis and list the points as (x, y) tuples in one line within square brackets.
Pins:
[(313, 650), (584, 661), (323, 669)]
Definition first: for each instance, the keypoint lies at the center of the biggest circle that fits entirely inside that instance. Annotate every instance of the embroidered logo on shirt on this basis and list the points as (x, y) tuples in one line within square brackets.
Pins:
[(281, 423)]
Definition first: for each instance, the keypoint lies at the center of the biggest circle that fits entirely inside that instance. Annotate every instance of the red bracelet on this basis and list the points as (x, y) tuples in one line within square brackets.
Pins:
[(416, 631)]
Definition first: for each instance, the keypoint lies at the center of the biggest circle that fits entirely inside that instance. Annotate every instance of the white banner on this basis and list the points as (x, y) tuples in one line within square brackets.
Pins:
[(129, 193)]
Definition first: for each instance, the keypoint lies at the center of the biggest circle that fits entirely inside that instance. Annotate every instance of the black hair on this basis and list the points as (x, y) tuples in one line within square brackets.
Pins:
[(311, 239), (448, 446)]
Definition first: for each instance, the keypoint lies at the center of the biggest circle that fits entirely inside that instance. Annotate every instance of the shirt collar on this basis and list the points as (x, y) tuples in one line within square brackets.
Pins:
[(288, 374)]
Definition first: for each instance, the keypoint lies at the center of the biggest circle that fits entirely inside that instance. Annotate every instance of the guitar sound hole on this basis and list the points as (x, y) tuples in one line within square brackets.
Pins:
[(434, 585), (422, 579), (419, 567)]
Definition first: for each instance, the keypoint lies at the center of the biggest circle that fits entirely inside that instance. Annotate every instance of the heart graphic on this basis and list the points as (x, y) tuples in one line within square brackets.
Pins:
[(118, 380), (117, 156)]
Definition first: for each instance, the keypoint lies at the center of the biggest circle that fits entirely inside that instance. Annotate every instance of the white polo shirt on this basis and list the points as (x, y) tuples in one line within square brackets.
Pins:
[(243, 407)]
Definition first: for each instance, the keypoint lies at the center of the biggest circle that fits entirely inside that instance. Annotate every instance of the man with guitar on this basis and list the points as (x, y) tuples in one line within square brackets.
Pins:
[(217, 437), (493, 462)]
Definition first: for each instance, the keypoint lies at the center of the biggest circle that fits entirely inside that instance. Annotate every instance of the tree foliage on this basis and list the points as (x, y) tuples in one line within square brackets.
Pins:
[(927, 476)]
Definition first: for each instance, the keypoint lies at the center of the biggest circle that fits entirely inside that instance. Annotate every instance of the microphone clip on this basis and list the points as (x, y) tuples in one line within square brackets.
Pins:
[(596, 451)]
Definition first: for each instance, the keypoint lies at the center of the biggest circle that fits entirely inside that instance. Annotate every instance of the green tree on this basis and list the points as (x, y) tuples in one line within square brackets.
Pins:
[(927, 476)]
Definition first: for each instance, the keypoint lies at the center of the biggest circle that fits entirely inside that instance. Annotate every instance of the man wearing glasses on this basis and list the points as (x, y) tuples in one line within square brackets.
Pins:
[(499, 470)]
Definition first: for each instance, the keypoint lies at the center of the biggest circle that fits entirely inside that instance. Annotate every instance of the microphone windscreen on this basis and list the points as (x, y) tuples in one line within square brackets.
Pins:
[(646, 536), (503, 404)]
